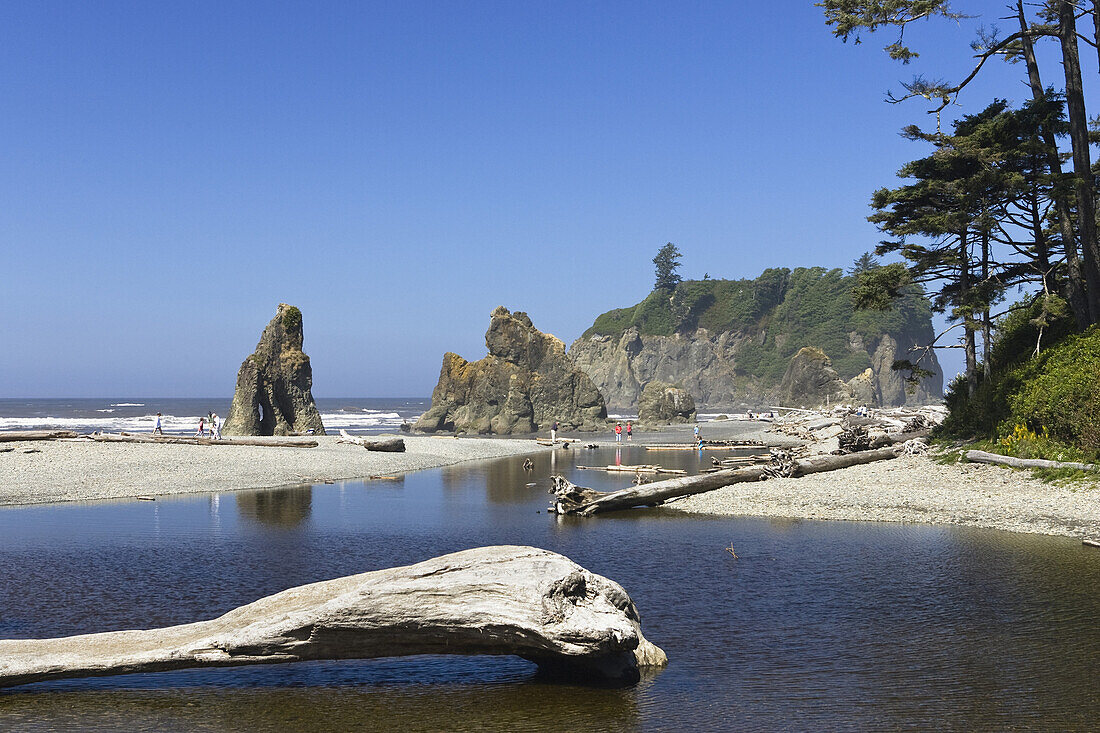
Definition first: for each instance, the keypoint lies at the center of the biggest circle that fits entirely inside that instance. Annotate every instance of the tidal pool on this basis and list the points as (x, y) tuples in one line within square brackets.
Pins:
[(815, 625)]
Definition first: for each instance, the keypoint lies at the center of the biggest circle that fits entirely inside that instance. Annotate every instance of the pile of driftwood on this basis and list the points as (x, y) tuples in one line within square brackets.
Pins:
[(844, 430)]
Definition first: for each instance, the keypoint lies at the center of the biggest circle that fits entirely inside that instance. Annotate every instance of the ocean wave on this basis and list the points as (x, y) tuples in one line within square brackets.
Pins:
[(128, 404), (333, 421)]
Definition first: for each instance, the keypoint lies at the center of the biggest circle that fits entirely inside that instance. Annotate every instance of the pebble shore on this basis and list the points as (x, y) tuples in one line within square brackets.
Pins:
[(916, 489), (56, 471)]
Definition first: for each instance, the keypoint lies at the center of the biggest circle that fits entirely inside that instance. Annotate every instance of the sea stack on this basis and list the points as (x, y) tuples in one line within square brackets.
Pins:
[(662, 403), (525, 384), (274, 385)]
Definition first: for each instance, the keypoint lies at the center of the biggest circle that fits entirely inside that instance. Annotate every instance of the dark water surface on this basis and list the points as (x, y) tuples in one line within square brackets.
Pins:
[(816, 625)]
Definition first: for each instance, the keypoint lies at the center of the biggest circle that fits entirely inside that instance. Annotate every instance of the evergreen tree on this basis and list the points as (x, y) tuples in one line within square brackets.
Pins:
[(864, 263), (1075, 204), (667, 262)]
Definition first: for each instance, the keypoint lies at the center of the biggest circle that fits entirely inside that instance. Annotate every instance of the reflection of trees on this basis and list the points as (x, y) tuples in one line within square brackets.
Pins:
[(287, 507)]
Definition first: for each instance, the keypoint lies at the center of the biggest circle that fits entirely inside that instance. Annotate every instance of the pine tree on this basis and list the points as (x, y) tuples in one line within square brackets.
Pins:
[(667, 262)]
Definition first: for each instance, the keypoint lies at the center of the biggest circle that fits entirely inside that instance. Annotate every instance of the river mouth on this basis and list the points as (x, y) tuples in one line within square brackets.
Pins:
[(836, 625)]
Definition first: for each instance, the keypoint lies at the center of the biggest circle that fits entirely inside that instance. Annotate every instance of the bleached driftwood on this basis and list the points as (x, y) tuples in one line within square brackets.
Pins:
[(980, 456), (195, 440), (9, 436), (389, 445), (524, 601), (572, 499)]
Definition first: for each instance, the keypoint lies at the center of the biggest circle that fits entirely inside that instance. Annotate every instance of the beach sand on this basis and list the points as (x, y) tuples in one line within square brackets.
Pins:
[(57, 471)]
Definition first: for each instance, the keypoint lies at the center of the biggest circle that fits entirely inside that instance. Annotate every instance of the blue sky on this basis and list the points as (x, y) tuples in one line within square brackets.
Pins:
[(173, 171)]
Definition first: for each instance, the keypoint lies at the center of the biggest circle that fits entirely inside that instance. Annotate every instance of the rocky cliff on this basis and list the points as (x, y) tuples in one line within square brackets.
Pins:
[(525, 383), (730, 342), (274, 394)]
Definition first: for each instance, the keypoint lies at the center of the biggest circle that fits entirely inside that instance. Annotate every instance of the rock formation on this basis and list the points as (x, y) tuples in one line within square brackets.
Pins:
[(489, 600), (811, 380), (662, 403), (274, 386), (729, 342), (525, 383)]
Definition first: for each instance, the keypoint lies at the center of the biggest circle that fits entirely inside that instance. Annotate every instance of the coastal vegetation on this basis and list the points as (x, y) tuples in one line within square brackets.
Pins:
[(784, 309), (1003, 239)]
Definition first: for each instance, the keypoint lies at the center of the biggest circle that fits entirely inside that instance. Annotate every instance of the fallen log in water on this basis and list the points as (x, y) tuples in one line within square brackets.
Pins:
[(9, 436), (524, 601), (572, 499), (388, 445), (980, 456), (195, 440)]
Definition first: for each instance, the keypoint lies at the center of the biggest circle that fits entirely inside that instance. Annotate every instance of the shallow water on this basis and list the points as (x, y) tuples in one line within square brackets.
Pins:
[(815, 624)]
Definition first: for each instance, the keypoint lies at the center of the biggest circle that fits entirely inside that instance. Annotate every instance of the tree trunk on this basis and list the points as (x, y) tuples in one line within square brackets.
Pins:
[(524, 601), (1075, 279), (187, 440), (10, 436), (1082, 169), (968, 320), (579, 500), (980, 456)]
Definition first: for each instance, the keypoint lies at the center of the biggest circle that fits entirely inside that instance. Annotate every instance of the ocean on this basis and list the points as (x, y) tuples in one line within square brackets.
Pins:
[(180, 415)]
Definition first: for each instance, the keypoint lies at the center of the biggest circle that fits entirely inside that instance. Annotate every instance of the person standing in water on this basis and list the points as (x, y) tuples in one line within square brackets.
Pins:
[(629, 431), (618, 432), (554, 432), (157, 428)]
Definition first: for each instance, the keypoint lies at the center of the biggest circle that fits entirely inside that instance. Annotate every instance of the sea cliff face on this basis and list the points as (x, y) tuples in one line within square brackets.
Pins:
[(730, 343), (525, 384)]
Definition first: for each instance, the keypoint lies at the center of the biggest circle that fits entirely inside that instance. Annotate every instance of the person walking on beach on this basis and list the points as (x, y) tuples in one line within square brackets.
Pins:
[(202, 427), (629, 431), (554, 432), (157, 428), (215, 428), (618, 432)]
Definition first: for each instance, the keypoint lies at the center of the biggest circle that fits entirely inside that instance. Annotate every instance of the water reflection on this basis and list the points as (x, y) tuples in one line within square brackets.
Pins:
[(287, 507)]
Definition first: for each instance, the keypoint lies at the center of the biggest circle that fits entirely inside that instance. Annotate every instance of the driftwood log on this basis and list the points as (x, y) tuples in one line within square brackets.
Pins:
[(189, 440), (572, 499), (388, 445), (980, 456), (524, 601), (9, 436)]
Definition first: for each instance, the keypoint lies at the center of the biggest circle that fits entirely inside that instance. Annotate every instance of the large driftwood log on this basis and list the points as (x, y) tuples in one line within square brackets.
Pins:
[(189, 440), (980, 456), (571, 499), (524, 601), (9, 436), (388, 445)]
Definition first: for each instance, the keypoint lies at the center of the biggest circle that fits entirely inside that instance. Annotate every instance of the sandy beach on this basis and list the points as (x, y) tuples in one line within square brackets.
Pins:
[(57, 471)]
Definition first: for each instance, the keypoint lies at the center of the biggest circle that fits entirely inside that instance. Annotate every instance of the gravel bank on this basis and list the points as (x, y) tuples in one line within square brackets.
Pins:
[(917, 489), (56, 471)]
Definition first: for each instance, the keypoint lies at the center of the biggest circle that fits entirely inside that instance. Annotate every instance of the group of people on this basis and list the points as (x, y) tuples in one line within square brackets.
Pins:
[(619, 431), (213, 422), (210, 422)]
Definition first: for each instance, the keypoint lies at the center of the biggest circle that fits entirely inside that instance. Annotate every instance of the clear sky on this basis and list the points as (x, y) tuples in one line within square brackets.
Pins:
[(171, 171)]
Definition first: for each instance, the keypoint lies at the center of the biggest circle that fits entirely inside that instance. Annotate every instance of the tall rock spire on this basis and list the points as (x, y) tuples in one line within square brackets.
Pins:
[(274, 385)]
